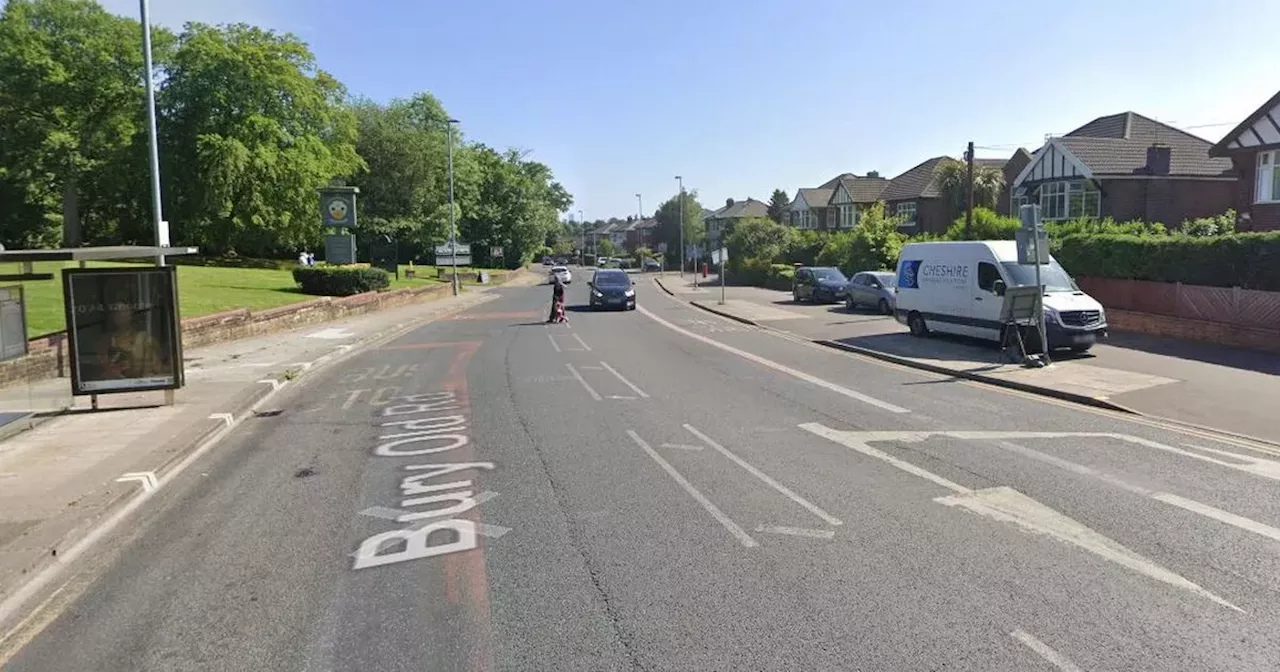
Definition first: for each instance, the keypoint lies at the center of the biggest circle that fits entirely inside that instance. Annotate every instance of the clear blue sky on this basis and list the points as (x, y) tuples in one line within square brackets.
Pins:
[(741, 97)]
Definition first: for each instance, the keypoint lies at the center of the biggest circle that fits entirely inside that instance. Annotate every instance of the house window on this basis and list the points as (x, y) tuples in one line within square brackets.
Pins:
[(1069, 200), (907, 212), (1268, 177), (848, 215)]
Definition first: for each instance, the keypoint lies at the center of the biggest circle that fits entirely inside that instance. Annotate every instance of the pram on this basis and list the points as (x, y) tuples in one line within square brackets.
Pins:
[(558, 311)]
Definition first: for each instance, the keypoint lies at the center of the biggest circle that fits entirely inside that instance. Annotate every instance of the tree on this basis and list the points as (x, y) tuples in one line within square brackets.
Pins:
[(755, 239), (668, 216), (252, 130), (71, 110), (778, 203), (953, 177), (518, 202), (606, 248)]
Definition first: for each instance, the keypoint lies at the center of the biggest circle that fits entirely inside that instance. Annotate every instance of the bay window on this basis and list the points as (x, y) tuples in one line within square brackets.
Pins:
[(848, 215), (907, 213), (1069, 200), (1268, 189)]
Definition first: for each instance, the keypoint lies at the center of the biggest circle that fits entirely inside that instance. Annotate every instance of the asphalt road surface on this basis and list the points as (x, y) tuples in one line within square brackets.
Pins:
[(661, 489)]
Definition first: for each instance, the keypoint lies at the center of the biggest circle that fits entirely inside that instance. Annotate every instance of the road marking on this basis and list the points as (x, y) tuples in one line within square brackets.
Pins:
[(225, 417), (273, 382), (594, 395), (146, 478), (331, 334), (351, 399), (1041, 649), (784, 490), (796, 531), (1010, 506), (814, 380), (552, 337), (677, 446), (483, 529), (619, 396), (588, 367), (581, 342), (626, 382), (711, 508)]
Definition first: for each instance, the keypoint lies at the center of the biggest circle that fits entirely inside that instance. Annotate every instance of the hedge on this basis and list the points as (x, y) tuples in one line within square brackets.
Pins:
[(1245, 260), (770, 276), (340, 280)]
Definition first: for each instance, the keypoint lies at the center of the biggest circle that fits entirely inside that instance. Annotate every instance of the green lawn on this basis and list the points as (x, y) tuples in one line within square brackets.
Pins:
[(202, 290)]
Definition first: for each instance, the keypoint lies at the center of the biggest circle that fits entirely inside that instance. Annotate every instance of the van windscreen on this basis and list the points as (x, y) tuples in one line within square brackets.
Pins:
[(1053, 276)]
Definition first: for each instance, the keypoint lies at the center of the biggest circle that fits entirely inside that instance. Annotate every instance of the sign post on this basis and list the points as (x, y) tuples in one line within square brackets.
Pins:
[(1033, 249), (338, 214), (720, 256)]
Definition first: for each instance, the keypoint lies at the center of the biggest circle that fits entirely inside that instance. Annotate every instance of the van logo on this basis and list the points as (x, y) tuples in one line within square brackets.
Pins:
[(908, 274)]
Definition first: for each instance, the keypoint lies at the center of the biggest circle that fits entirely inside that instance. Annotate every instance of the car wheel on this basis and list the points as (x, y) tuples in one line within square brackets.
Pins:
[(1081, 348), (916, 323), (884, 307), (849, 305)]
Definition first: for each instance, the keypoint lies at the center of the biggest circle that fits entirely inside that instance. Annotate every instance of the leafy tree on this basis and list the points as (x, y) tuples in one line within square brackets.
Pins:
[(71, 110), (876, 242), (778, 203), (953, 177), (607, 248), (756, 239), (668, 216), (253, 130), (518, 202)]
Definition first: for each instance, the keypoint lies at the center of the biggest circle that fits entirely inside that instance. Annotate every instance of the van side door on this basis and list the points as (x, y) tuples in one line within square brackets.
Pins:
[(985, 312)]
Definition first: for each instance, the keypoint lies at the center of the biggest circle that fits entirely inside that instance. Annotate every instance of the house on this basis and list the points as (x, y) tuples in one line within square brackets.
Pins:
[(641, 233), (850, 195), (1126, 166), (1010, 167), (720, 223), (808, 210), (917, 198), (1254, 150)]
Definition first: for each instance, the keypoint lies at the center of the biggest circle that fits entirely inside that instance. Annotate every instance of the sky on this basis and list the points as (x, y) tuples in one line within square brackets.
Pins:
[(741, 97)]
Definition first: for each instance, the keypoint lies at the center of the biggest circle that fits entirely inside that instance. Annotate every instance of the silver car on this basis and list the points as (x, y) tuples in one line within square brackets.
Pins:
[(871, 288)]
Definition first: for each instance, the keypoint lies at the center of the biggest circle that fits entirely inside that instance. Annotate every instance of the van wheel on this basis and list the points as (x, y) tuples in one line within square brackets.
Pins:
[(884, 307), (915, 322)]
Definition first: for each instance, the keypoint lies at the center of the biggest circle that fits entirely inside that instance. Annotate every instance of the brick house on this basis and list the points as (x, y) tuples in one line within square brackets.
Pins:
[(916, 197), (720, 223), (1254, 149), (1011, 168), (808, 210), (850, 195), (640, 233), (1126, 166)]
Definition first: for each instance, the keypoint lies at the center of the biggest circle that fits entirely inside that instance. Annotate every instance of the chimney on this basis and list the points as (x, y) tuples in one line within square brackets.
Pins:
[(1158, 159), (728, 202), (873, 173)]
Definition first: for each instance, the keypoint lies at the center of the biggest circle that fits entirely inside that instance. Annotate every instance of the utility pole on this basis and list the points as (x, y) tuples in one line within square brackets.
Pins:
[(153, 142), (968, 214), (680, 204), (453, 240)]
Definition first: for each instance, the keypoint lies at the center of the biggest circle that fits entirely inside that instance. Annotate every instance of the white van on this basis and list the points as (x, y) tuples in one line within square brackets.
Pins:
[(951, 287)]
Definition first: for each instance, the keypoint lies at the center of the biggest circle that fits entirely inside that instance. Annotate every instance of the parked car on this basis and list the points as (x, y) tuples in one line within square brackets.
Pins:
[(958, 288), (611, 288), (871, 288), (546, 261), (651, 265), (563, 273), (818, 283)]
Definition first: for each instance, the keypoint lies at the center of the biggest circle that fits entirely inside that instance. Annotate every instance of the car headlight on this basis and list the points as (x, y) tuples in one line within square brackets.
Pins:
[(597, 293), (629, 293)]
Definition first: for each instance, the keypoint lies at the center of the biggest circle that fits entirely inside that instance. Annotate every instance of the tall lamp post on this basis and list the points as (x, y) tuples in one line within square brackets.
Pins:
[(582, 255), (157, 212), (680, 181), (453, 239)]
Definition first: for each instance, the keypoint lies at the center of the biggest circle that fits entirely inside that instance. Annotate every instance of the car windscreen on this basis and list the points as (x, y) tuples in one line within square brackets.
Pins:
[(559, 269), (886, 279), (612, 280), (1053, 276), (828, 274)]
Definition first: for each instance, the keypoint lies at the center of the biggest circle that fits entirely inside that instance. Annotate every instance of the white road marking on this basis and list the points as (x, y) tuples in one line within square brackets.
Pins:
[(483, 529), (681, 446), (351, 399), (274, 383), (589, 367), (626, 382), (552, 337), (146, 478), (594, 395), (331, 334), (225, 417), (582, 342), (711, 508), (782, 489), (796, 531), (1010, 506), (619, 396), (1041, 649), (824, 384)]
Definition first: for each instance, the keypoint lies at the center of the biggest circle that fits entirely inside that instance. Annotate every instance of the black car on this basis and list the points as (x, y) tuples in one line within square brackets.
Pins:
[(818, 283), (612, 288)]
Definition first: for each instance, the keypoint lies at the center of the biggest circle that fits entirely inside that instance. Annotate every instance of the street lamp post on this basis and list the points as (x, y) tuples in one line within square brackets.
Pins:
[(582, 222), (453, 239), (157, 212), (680, 181)]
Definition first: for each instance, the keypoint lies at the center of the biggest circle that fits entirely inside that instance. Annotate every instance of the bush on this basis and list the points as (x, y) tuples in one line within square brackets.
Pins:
[(987, 225), (803, 246), (1217, 225), (340, 280), (755, 239), (1247, 260)]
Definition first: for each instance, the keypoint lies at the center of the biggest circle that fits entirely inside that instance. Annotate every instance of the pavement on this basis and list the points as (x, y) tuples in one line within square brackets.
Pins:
[(664, 489), (1200, 384)]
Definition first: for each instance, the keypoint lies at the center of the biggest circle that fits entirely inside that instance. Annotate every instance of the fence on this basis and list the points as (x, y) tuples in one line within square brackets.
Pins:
[(1226, 305)]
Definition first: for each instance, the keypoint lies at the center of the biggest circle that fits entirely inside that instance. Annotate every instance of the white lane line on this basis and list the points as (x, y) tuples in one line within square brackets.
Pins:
[(588, 367), (224, 417), (824, 384), (784, 490), (626, 382), (555, 345), (594, 395), (797, 531), (677, 446), (582, 343), (711, 508), (619, 396), (1246, 524), (1041, 649), (1007, 505)]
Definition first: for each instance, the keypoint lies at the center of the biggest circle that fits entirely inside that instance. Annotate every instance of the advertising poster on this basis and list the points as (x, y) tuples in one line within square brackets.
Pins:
[(122, 328)]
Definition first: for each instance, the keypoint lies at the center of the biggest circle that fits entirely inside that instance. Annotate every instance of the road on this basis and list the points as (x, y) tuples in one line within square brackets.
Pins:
[(665, 490)]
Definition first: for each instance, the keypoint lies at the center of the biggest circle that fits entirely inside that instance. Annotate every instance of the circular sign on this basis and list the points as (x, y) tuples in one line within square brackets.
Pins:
[(337, 210)]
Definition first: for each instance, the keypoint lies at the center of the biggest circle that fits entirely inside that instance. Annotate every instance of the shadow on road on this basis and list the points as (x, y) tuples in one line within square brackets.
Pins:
[(1249, 360)]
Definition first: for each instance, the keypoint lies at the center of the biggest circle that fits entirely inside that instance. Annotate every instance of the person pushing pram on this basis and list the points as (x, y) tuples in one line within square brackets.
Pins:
[(557, 302)]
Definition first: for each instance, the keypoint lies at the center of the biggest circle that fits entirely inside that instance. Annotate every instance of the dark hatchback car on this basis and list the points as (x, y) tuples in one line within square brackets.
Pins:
[(818, 283), (612, 288)]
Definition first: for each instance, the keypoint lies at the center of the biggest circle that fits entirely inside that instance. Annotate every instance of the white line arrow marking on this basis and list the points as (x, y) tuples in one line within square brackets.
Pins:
[(225, 417), (275, 384), (146, 478)]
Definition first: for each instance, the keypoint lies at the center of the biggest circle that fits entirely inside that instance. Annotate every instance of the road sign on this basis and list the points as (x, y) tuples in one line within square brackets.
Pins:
[(461, 249), (720, 256), (1029, 247)]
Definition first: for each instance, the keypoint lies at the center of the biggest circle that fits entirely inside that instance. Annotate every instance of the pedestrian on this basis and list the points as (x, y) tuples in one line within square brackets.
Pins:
[(302, 258), (311, 258), (557, 301)]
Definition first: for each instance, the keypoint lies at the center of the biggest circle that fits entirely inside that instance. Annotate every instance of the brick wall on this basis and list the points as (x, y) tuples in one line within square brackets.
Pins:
[(1169, 201), (1232, 335), (1262, 216), (47, 355)]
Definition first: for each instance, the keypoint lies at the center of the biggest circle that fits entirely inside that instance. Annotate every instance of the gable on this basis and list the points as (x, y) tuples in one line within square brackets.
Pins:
[(1260, 130), (841, 195), (1052, 162)]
